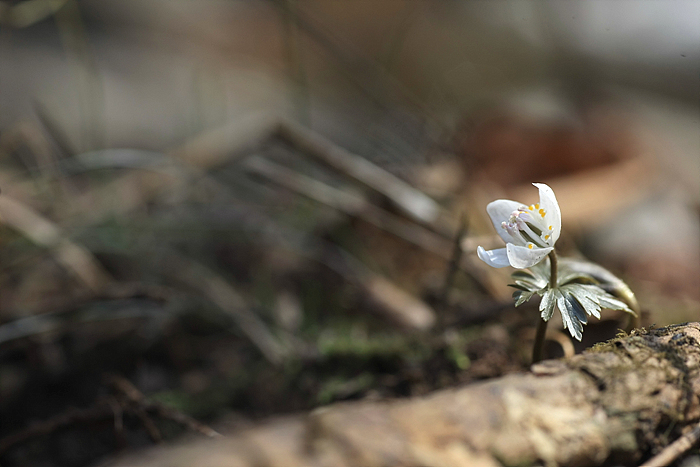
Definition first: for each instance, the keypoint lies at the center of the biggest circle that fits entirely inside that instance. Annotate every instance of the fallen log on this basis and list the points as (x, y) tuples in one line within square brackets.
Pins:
[(619, 403)]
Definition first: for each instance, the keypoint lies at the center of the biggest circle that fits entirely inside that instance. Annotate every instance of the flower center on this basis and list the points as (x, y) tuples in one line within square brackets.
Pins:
[(528, 224)]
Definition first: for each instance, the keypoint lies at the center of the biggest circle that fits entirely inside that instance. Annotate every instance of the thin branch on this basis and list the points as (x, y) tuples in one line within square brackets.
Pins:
[(125, 387), (126, 400), (676, 449), (455, 259), (412, 201), (69, 418), (43, 232), (349, 203), (223, 295)]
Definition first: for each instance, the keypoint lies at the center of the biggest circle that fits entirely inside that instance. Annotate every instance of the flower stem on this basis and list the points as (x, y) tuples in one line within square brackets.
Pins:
[(539, 341), (553, 269), (538, 349)]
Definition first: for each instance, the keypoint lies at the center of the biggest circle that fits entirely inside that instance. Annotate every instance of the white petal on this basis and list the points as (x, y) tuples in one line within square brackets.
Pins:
[(522, 257), (499, 211), (549, 203), (495, 258)]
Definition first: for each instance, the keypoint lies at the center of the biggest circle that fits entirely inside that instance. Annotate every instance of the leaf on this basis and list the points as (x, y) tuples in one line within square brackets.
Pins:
[(541, 272), (523, 275), (587, 293), (529, 286), (577, 309), (521, 297), (605, 280), (612, 303), (528, 281), (570, 276), (547, 304), (569, 317), (584, 298)]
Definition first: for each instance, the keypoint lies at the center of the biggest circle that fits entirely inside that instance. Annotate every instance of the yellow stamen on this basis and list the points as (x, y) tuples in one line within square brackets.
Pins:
[(546, 237), (542, 212), (532, 207), (530, 246), (550, 227), (537, 206)]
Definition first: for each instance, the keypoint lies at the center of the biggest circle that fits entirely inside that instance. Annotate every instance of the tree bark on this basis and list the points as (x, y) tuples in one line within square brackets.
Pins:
[(618, 403)]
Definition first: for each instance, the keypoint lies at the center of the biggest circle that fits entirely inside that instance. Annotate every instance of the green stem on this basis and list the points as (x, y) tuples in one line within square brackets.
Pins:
[(553, 269), (538, 349)]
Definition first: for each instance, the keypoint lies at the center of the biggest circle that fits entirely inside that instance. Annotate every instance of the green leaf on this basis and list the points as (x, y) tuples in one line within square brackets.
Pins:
[(541, 272), (585, 298), (527, 280), (568, 277), (606, 281), (521, 297), (569, 316), (523, 275), (529, 286), (579, 312), (547, 304), (587, 293)]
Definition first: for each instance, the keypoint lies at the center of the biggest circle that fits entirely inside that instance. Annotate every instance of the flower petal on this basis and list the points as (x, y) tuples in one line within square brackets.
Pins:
[(499, 211), (521, 257), (494, 258), (549, 203)]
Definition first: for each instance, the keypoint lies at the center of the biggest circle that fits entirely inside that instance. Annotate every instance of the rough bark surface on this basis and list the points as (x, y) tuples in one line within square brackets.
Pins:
[(615, 404)]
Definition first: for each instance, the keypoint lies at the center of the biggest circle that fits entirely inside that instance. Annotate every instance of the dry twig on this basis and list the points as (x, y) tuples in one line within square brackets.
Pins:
[(221, 145), (125, 387), (412, 201), (43, 232), (127, 399), (223, 295), (349, 203), (675, 450), (455, 260)]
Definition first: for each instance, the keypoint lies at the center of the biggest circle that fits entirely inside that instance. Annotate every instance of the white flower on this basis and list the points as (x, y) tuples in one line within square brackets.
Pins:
[(530, 232)]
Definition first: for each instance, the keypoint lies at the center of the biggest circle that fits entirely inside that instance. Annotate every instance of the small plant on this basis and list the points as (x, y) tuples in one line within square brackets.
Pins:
[(577, 288)]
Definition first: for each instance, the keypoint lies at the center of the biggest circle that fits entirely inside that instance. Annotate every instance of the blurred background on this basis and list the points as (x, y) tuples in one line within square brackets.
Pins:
[(252, 208)]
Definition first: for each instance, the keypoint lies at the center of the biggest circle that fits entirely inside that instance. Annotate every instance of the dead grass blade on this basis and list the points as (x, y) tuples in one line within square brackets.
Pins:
[(224, 296), (350, 203), (74, 257)]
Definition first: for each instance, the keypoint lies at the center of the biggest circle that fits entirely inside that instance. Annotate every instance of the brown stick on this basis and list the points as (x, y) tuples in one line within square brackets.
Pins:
[(350, 203), (412, 201), (455, 260), (125, 387), (69, 418), (675, 450), (127, 399)]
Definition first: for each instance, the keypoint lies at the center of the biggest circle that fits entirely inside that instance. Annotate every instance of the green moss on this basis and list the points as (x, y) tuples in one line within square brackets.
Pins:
[(379, 345), (196, 405), (340, 388)]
